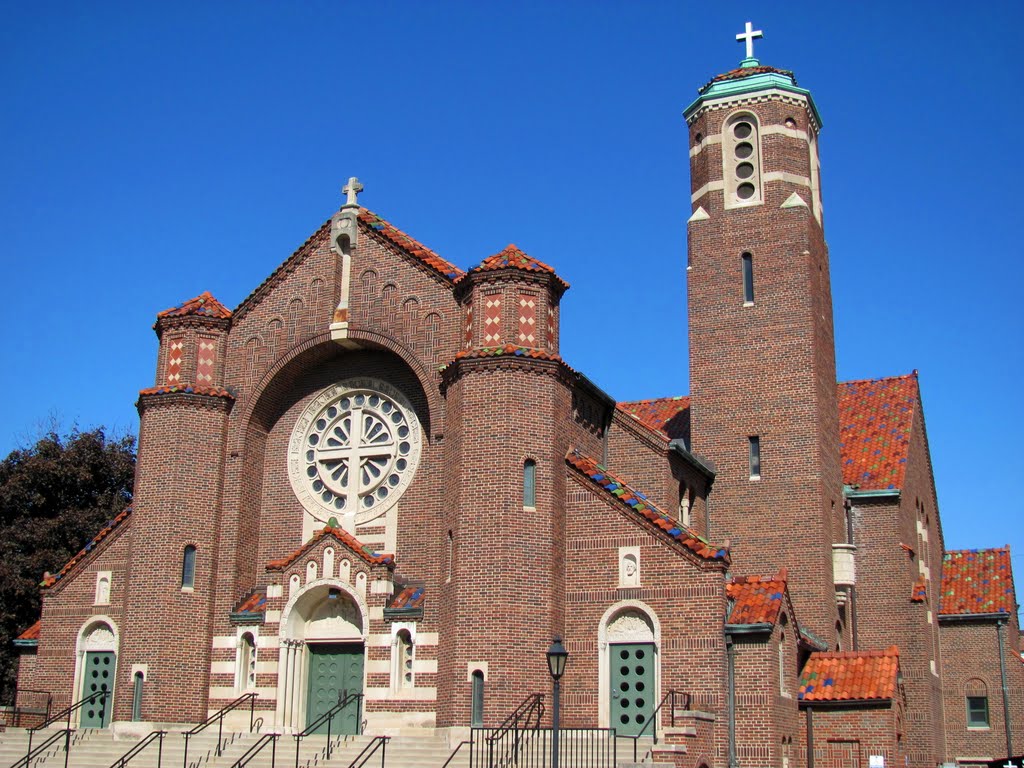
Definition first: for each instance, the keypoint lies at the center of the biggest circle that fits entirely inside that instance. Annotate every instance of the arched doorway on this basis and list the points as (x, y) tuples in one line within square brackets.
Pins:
[(97, 665), (323, 646), (629, 639)]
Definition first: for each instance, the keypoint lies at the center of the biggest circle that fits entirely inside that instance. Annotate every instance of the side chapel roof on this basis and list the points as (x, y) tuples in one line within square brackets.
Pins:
[(755, 599), (614, 488), (109, 528), (850, 676), (977, 581), (344, 537)]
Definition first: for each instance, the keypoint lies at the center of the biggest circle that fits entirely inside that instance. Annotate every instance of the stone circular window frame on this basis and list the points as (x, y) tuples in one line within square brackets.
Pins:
[(306, 425)]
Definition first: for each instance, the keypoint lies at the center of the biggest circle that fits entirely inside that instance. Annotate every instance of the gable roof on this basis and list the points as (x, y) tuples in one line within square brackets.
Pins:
[(637, 503), (669, 416), (30, 636), (413, 247), (203, 305), (408, 598), (107, 530), (850, 676), (511, 257), (977, 581), (343, 537), (755, 599), (875, 419)]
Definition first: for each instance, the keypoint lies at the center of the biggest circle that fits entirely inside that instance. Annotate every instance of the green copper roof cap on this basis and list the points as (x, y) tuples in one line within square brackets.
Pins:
[(756, 78)]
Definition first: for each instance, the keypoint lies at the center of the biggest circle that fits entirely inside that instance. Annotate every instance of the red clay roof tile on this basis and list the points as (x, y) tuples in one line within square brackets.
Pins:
[(187, 389), (850, 676), (513, 258), (109, 528), (204, 305), (413, 247), (343, 537), (32, 633), (919, 593), (977, 581), (639, 505), (668, 415), (741, 72), (755, 599), (875, 419)]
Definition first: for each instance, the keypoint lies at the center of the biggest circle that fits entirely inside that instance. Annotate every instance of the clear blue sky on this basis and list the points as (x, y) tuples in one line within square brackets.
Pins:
[(153, 151)]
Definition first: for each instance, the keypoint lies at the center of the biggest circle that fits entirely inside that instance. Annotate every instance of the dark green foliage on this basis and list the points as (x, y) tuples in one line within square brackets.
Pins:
[(54, 497)]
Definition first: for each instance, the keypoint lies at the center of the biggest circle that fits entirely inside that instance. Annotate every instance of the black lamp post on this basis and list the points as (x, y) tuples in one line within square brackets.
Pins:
[(557, 656)]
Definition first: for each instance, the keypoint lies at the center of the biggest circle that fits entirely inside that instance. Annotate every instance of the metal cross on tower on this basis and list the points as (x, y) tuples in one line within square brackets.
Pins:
[(748, 36)]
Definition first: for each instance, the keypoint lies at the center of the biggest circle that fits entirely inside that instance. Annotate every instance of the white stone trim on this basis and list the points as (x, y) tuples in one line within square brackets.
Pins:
[(792, 178), (472, 667), (604, 654), (100, 598), (81, 643), (405, 694), (140, 668), (711, 186)]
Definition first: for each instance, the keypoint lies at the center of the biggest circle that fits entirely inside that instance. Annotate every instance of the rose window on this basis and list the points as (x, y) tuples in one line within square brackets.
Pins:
[(354, 451)]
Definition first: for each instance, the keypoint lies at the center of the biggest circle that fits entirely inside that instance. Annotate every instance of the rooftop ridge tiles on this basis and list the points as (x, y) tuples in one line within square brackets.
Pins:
[(409, 244), (188, 389), (203, 305), (512, 257), (112, 524), (344, 537), (32, 633), (639, 504)]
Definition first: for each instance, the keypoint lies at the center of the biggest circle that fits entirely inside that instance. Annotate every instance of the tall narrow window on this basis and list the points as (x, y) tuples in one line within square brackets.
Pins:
[(188, 568), (477, 713), (748, 278), (977, 704), (137, 696), (451, 555), (755, 457), (741, 159), (530, 483), (403, 659), (245, 676)]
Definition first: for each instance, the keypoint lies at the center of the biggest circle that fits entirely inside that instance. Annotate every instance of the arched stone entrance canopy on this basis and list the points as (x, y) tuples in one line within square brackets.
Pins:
[(95, 670), (326, 613), (628, 625)]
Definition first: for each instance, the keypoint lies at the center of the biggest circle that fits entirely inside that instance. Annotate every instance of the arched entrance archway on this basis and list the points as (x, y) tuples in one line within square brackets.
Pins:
[(324, 628), (629, 643), (95, 671)]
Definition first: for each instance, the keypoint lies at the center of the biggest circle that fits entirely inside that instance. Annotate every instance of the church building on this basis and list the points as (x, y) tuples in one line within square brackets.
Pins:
[(377, 475)]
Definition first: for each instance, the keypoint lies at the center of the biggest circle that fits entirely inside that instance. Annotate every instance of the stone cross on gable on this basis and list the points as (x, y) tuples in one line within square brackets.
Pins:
[(748, 36), (352, 189)]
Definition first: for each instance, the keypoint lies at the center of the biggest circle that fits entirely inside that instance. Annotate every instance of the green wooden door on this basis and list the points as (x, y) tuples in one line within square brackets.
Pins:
[(632, 680), (335, 670), (99, 676)]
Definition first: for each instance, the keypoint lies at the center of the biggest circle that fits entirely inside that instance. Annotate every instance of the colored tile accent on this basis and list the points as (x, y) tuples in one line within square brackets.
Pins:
[(492, 319), (206, 361), (189, 390), (175, 350), (407, 599), (977, 581), (204, 305), (668, 415), (513, 258), (919, 594), (32, 633), (850, 676), (875, 420), (254, 603), (509, 350), (741, 72), (527, 320), (639, 505), (343, 537), (469, 326), (109, 528), (755, 599), (413, 247)]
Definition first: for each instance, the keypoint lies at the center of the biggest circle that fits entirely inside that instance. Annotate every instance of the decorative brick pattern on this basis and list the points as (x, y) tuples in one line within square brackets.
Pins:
[(468, 338), (492, 319), (206, 361), (528, 331), (175, 352)]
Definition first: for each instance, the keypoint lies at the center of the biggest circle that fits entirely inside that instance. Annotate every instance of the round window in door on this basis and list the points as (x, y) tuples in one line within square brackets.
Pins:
[(632, 681)]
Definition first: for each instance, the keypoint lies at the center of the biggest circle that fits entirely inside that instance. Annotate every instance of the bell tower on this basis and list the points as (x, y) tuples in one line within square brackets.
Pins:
[(762, 355)]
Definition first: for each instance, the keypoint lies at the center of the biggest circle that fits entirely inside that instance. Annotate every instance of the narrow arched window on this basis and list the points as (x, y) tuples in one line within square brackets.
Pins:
[(477, 713), (403, 652), (529, 483), (137, 696), (245, 677), (188, 568), (748, 278)]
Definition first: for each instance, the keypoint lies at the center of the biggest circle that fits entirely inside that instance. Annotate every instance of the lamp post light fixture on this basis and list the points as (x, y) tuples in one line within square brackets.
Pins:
[(557, 656)]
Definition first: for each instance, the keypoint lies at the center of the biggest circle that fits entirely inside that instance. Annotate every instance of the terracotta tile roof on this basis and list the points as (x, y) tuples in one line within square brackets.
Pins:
[(850, 676), (506, 349), (343, 537), (755, 599), (639, 504), (741, 72), (32, 633), (919, 594), (875, 419), (204, 305), (513, 258), (109, 528), (188, 389), (409, 245), (667, 415), (977, 581), (254, 603), (408, 598)]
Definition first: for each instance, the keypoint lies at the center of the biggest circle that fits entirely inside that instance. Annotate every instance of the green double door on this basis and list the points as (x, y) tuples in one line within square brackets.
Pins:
[(335, 671), (632, 680), (98, 677)]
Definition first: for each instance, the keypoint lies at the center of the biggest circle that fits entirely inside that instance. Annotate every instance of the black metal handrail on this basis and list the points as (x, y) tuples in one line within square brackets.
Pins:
[(652, 719), (255, 749), (32, 754), (507, 740), (377, 742), (67, 712), (328, 717), (534, 703), (218, 717), (455, 751), (124, 759), (18, 710)]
